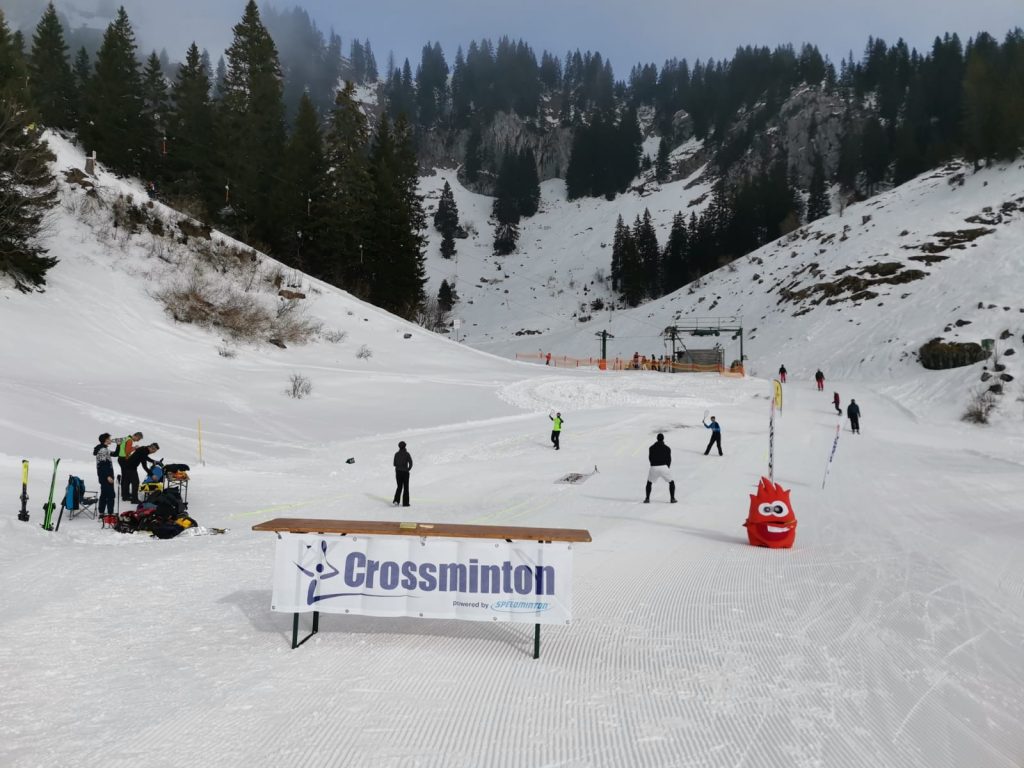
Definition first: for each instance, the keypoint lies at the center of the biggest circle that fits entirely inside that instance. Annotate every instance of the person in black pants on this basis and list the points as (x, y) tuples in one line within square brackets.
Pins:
[(139, 458), (403, 465), (716, 436), (105, 474), (853, 414), (660, 456)]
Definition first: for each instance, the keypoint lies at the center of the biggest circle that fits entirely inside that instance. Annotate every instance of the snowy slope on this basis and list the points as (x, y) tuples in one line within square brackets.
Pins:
[(891, 635), (963, 232)]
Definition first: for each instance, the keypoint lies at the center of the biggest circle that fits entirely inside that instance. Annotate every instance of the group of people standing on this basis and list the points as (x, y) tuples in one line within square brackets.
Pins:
[(130, 456)]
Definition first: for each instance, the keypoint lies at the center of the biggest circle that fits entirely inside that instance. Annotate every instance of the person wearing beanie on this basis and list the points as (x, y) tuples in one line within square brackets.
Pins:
[(660, 456), (105, 473), (403, 466)]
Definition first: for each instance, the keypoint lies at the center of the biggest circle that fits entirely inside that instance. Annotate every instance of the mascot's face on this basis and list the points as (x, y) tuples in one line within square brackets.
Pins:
[(770, 522)]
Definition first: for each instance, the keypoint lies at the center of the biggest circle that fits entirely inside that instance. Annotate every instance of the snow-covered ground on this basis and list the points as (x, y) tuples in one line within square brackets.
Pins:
[(891, 635)]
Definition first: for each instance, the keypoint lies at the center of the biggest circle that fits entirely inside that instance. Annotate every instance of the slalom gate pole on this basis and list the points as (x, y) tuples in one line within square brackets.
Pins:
[(828, 465), (23, 514), (771, 443), (200, 432)]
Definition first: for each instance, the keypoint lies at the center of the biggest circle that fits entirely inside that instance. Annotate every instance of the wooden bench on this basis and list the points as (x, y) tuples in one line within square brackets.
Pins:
[(419, 530)]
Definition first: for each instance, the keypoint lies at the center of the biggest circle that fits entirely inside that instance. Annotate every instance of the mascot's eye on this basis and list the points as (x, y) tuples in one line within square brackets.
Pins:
[(779, 509), (765, 509)]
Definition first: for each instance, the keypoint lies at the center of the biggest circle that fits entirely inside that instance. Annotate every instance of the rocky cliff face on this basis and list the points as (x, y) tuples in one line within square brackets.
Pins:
[(808, 121), (551, 144)]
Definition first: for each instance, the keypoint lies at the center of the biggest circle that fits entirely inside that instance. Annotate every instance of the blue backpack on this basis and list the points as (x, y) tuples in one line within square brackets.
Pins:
[(74, 493)]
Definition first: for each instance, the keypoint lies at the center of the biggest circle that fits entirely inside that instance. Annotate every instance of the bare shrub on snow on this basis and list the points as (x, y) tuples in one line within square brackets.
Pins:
[(300, 386), (431, 316), (980, 407), (364, 353), (332, 336)]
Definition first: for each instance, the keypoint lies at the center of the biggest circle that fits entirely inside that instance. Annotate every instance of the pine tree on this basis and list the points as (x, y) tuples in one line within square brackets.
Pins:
[(51, 80), (82, 70), (446, 221), (371, 63), (398, 220), (112, 123), (339, 249), (27, 192), (474, 159), (251, 131), (304, 172), (12, 64), (446, 297), (817, 202), (156, 106), (649, 253), (675, 258), (661, 165), (190, 130)]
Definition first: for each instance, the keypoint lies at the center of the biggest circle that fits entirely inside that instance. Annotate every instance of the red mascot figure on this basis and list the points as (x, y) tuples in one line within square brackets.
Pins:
[(770, 522)]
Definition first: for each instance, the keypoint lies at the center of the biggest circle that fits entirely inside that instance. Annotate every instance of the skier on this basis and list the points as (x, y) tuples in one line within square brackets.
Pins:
[(556, 428), (716, 436), (819, 377), (125, 447), (660, 456), (853, 414), (139, 457), (105, 474), (403, 465), (835, 402), (782, 374), (547, 359)]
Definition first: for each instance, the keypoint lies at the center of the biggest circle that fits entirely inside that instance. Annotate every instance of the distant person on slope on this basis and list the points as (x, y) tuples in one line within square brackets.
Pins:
[(105, 474), (556, 429), (660, 456), (139, 458), (835, 402), (403, 466), (853, 414), (782, 374), (819, 377), (716, 436)]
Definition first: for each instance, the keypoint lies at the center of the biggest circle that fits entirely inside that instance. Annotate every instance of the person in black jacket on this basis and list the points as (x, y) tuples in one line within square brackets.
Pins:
[(853, 414), (660, 456), (139, 457), (403, 465), (105, 474)]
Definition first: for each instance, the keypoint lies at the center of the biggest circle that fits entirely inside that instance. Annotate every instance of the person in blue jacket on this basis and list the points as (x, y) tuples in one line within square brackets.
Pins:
[(716, 436)]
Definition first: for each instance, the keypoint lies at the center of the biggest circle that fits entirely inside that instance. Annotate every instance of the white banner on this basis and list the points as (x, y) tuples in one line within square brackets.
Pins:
[(436, 578)]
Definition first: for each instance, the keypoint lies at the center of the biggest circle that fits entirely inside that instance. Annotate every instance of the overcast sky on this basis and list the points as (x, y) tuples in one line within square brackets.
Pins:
[(626, 31)]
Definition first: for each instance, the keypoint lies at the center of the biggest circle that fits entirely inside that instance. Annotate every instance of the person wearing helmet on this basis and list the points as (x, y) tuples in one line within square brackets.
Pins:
[(403, 465)]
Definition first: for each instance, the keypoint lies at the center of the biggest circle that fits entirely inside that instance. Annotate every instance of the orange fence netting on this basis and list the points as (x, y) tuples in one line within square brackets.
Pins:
[(628, 364)]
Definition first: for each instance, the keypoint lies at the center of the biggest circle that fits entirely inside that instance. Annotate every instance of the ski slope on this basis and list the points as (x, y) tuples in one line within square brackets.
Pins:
[(891, 635)]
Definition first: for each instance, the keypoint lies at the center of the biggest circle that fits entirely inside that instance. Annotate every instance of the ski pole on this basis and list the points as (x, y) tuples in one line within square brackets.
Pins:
[(23, 514)]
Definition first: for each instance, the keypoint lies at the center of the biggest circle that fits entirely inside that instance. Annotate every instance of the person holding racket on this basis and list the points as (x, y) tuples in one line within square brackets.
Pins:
[(716, 435)]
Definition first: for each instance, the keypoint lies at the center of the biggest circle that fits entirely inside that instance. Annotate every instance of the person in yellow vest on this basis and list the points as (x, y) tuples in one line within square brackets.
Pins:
[(125, 448), (556, 428)]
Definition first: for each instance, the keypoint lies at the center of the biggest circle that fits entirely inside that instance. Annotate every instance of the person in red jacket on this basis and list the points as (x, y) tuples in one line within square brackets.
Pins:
[(835, 402)]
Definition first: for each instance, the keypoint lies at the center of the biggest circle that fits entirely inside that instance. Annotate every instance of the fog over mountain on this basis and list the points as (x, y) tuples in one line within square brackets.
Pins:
[(624, 31)]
